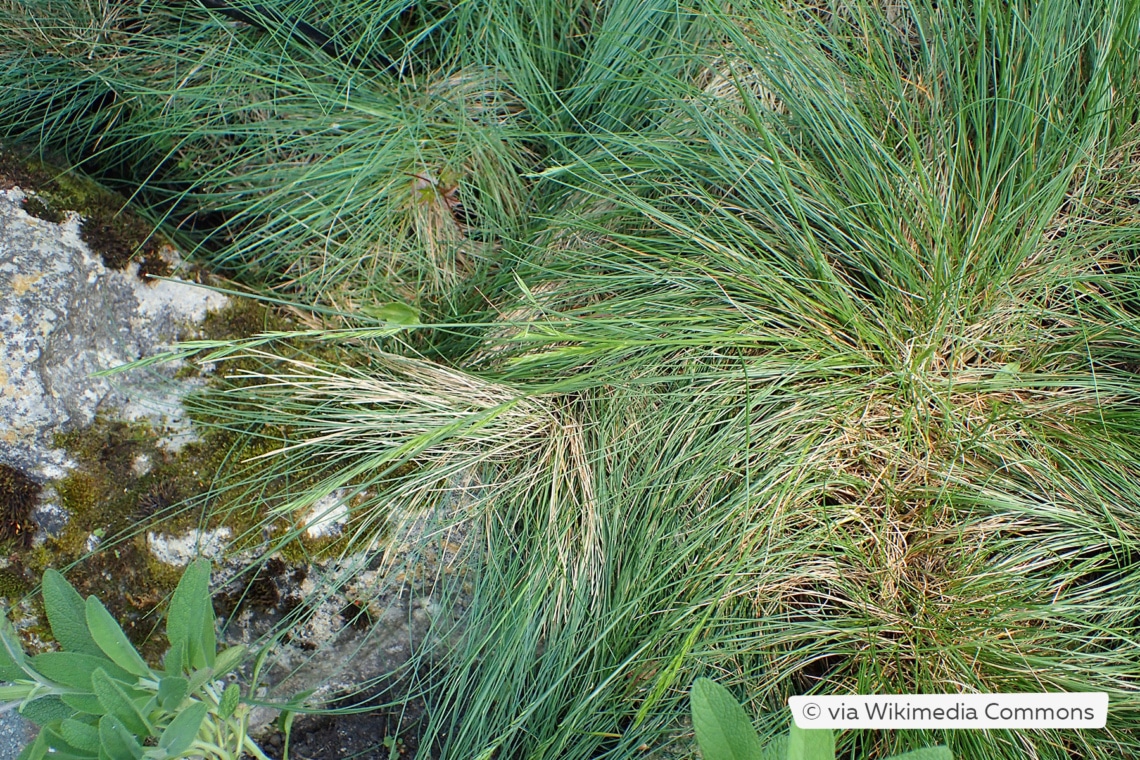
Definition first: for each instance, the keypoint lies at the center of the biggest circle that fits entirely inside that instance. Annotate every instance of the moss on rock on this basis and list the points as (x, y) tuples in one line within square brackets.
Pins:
[(18, 496), (14, 583), (108, 228), (127, 486)]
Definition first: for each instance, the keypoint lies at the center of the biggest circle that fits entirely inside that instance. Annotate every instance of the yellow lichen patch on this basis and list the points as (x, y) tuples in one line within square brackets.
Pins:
[(22, 283)]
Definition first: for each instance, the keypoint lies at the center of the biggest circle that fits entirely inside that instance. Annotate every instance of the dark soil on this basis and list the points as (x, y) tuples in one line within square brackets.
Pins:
[(329, 737), (391, 730), (15, 173)]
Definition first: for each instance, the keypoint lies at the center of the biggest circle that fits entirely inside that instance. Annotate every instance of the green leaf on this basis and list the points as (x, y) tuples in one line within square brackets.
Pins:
[(75, 669), (941, 752), (63, 749), (17, 692), (777, 749), (394, 313), (229, 701), (111, 639), (229, 659), (117, 703), (80, 735), (723, 729), (67, 615), (11, 653), (207, 638), (84, 703), (811, 744), (45, 710), (190, 621), (117, 741), (37, 750), (180, 734), (174, 661), (199, 677), (171, 691)]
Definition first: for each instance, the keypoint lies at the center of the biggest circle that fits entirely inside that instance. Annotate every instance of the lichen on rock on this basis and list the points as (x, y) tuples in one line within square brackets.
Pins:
[(75, 303), (64, 318)]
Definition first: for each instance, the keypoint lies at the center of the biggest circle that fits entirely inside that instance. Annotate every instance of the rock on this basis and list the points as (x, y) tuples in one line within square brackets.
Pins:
[(362, 616), (328, 515), (49, 516), (15, 732), (180, 551), (65, 316)]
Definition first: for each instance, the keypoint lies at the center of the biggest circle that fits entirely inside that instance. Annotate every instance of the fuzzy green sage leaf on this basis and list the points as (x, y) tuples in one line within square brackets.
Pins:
[(811, 744), (85, 703), (46, 710), (116, 702), (723, 729), (111, 639), (181, 732), (229, 701), (67, 615), (11, 653), (75, 669), (117, 741), (228, 659), (80, 735), (62, 749), (171, 691), (190, 621)]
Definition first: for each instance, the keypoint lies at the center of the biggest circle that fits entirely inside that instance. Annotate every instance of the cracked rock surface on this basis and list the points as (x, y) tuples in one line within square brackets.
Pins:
[(65, 316)]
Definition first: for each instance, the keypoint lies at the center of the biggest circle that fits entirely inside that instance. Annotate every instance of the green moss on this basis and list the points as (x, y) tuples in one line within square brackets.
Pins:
[(244, 317), (109, 495), (106, 497), (116, 234), (13, 584), (36, 206)]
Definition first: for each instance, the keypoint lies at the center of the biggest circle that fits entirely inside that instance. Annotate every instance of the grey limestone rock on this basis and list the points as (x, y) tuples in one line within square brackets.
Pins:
[(64, 316)]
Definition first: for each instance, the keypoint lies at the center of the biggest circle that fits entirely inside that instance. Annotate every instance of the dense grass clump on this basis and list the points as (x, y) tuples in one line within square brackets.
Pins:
[(792, 344)]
